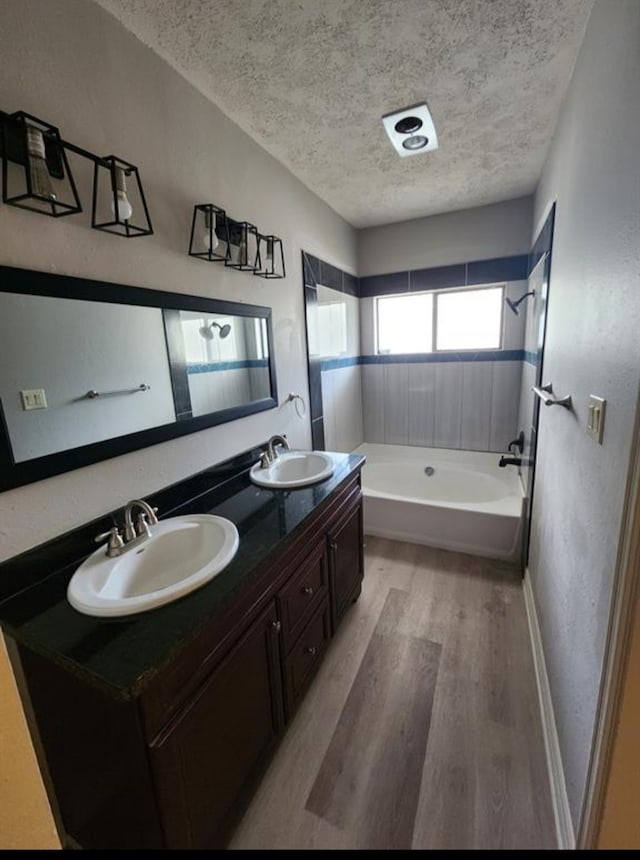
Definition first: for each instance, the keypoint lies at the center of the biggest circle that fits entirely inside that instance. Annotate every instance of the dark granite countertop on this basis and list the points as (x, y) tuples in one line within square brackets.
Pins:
[(121, 655)]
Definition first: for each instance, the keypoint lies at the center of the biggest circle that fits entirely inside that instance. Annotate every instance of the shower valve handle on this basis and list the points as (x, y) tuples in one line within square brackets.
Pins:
[(517, 443)]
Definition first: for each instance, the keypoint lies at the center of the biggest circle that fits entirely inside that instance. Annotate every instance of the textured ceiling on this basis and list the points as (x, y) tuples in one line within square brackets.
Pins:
[(310, 79)]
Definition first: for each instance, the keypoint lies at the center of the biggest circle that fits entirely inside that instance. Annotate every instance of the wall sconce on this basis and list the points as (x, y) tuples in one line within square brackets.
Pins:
[(270, 259), (117, 197), (36, 176), (210, 234), (35, 170), (244, 254)]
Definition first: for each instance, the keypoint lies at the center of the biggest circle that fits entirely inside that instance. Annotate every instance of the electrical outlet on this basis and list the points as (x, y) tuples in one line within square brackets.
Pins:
[(33, 398), (595, 421)]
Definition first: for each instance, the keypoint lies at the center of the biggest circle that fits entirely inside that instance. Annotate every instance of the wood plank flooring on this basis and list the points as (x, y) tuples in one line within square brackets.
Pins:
[(422, 727)]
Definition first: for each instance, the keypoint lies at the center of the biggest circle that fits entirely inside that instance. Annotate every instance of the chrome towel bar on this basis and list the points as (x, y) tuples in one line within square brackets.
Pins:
[(545, 393), (91, 395)]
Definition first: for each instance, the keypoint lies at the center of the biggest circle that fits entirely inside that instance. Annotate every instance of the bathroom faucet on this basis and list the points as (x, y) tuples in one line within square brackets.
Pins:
[(145, 519), (132, 535), (271, 455)]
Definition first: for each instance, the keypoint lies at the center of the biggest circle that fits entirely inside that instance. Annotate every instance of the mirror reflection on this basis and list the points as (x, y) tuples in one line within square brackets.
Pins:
[(55, 352), (90, 370), (226, 360)]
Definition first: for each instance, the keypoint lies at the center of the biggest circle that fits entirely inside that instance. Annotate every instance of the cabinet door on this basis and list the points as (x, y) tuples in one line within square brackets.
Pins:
[(205, 761), (346, 563)]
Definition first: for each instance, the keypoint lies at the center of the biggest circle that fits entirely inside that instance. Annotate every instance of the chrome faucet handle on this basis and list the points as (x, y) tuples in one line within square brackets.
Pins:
[(115, 544), (265, 460), (142, 525)]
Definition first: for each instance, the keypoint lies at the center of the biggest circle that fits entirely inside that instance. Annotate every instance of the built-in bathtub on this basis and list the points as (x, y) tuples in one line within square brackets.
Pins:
[(467, 502)]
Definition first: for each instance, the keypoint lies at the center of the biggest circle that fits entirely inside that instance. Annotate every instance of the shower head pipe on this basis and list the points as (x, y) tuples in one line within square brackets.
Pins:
[(514, 306)]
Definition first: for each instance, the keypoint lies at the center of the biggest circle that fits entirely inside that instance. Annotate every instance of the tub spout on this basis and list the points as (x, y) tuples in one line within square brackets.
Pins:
[(507, 460)]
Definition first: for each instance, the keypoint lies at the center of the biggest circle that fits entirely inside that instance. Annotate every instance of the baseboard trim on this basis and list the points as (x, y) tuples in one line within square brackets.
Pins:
[(561, 810)]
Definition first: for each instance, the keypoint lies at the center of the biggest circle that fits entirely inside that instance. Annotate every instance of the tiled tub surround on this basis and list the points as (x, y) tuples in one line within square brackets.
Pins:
[(461, 400), (236, 382), (466, 502)]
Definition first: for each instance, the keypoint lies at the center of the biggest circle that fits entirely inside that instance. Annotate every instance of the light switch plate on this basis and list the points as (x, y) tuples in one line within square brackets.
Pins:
[(33, 398), (595, 420)]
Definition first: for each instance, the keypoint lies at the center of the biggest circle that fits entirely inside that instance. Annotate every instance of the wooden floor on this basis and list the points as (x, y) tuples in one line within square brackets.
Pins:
[(422, 728)]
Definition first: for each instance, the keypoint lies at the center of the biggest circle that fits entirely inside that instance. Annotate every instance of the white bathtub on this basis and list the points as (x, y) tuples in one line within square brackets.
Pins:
[(468, 504)]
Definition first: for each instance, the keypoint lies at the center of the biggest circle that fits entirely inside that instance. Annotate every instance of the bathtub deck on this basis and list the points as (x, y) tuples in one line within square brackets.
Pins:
[(422, 728)]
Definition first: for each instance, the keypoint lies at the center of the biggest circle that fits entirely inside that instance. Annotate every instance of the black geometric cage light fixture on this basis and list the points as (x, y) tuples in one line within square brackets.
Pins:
[(245, 251), (118, 199), (36, 175), (270, 258), (210, 239), (35, 170)]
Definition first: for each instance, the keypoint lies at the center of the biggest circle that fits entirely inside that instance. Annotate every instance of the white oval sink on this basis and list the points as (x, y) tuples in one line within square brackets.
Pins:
[(182, 554), (294, 469)]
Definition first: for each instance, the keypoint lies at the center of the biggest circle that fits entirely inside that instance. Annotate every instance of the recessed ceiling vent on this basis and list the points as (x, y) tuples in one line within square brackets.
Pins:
[(411, 130)]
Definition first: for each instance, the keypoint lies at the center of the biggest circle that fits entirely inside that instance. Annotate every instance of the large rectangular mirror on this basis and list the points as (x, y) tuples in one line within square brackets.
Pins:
[(90, 370)]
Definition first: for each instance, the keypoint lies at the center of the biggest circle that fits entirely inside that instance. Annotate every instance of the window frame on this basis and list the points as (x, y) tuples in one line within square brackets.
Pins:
[(502, 285)]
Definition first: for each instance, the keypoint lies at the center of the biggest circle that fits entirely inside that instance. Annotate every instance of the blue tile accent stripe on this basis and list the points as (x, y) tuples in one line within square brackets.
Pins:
[(465, 274), (428, 358), (500, 269), (531, 357), (544, 240), (442, 357), (214, 367), (471, 273), (343, 361)]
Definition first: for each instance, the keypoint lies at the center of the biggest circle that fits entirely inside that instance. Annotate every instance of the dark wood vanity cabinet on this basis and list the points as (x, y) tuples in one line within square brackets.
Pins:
[(190, 748), (207, 755)]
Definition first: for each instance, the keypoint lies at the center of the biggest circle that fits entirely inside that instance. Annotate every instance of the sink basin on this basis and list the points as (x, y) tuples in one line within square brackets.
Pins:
[(294, 469), (182, 554)]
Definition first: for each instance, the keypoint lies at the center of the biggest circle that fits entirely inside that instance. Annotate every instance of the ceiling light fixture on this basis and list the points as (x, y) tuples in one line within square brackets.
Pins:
[(416, 141), (402, 125)]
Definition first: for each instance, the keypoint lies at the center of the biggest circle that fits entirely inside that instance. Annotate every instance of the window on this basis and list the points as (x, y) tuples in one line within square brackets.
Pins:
[(404, 323), (449, 320)]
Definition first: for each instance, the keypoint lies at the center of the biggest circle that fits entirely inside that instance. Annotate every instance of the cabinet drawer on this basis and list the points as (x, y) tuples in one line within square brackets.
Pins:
[(306, 656), (302, 595)]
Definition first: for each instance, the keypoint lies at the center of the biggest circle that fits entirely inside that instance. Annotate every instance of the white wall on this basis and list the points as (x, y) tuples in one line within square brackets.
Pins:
[(483, 233), (592, 347), (72, 64)]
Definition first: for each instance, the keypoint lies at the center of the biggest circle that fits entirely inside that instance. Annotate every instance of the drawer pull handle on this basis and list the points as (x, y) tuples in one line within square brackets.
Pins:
[(334, 546), (276, 625), (308, 590), (310, 649)]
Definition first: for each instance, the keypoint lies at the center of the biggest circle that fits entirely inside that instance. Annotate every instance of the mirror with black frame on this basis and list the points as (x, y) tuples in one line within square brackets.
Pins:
[(90, 370)]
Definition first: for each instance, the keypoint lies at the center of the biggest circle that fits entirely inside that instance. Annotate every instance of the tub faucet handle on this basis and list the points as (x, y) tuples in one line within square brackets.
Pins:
[(517, 443)]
